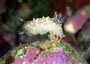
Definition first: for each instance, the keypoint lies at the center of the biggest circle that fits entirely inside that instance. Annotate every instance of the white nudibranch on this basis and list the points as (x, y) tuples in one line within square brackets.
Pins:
[(42, 26)]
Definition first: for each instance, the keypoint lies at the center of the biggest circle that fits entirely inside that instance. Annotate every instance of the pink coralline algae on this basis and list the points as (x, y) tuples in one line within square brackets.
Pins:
[(28, 57), (52, 58), (46, 57)]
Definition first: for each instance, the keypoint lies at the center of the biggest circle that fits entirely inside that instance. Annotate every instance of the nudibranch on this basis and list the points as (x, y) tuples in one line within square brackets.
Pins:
[(44, 25)]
